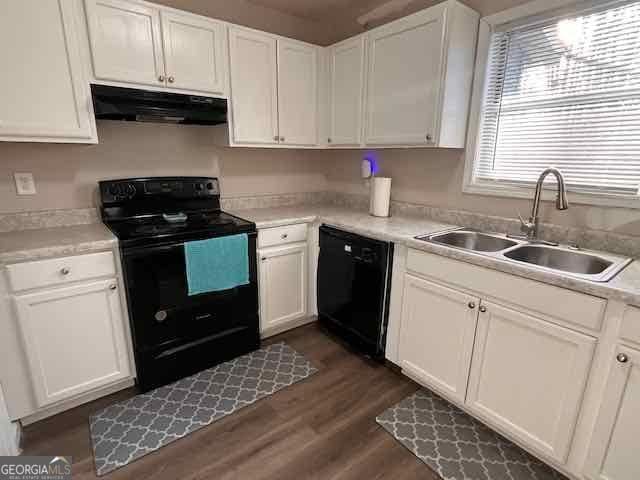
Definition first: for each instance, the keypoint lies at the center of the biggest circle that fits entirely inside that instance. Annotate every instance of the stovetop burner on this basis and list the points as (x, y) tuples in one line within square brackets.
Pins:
[(148, 211)]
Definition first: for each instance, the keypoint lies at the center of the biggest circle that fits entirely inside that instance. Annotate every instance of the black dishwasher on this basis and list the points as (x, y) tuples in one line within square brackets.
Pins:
[(354, 282)]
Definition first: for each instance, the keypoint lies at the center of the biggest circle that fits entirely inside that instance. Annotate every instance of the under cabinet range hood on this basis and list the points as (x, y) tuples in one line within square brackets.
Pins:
[(117, 103)]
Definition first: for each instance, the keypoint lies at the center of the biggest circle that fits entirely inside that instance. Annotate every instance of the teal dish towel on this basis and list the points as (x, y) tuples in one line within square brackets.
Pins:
[(217, 264)]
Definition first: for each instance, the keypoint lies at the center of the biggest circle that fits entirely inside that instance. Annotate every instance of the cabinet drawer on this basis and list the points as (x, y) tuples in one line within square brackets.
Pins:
[(281, 235), (571, 307), (630, 328), (58, 271)]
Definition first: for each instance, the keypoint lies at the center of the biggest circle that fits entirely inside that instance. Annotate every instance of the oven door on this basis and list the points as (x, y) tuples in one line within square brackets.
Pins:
[(175, 332)]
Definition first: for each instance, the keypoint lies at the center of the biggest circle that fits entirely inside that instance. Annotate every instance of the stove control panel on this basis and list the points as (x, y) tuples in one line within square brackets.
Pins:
[(179, 188)]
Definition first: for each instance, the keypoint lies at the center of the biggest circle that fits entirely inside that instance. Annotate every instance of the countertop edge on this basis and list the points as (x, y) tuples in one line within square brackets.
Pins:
[(608, 290), (53, 251)]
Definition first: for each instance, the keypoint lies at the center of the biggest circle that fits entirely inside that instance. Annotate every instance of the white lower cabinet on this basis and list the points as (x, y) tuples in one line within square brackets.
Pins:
[(514, 369), (613, 454), (74, 339), (283, 285), (436, 335), (528, 377)]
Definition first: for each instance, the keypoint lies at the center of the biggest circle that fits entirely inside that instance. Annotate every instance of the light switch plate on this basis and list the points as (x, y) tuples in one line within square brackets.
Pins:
[(25, 184)]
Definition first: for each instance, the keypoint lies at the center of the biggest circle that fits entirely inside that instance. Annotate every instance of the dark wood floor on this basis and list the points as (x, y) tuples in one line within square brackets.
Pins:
[(323, 427)]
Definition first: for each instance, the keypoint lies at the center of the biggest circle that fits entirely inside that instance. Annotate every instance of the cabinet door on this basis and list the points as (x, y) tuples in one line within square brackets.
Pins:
[(283, 285), (528, 377), (613, 453), (297, 93), (194, 53), (346, 82), (44, 95), (436, 336), (74, 339), (125, 42), (404, 79), (254, 87)]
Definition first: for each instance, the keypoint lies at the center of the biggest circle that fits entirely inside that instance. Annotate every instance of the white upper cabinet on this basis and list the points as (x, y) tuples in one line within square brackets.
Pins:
[(274, 89), (254, 83), (125, 42), (419, 76), (44, 95), (137, 43), (297, 93), (346, 89), (194, 53), (614, 446), (404, 73)]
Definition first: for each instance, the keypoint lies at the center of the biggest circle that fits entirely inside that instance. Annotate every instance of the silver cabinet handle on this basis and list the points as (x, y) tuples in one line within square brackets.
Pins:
[(113, 287), (622, 358), (285, 235), (171, 79), (428, 137), (483, 309), (263, 259), (472, 305), (282, 139), (65, 271), (276, 138), (161, 78), (328, 140)]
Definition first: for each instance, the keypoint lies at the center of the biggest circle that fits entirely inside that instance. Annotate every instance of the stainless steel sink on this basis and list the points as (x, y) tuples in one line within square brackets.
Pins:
[(560, 259), (594, 266), (471, 240)]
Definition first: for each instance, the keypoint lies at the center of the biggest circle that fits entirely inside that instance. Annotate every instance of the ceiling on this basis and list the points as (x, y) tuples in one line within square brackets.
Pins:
[(317, 10), (319, 21)]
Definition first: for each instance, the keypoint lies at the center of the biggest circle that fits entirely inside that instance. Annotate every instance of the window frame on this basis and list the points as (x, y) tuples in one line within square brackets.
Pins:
[(528, 13)]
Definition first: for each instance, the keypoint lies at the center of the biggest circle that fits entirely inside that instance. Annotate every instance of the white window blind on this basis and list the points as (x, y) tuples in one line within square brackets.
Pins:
[(565, 93)]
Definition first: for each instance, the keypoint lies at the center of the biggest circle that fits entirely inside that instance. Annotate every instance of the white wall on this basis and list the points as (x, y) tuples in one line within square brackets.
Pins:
[(66, 175)]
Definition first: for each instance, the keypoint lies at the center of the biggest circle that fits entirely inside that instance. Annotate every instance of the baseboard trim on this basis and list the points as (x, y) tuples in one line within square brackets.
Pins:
[(67, 405), (290, 325)]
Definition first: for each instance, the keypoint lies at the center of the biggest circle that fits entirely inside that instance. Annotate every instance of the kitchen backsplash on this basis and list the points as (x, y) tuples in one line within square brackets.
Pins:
[(270, 201), (47, 219), (584, 238)]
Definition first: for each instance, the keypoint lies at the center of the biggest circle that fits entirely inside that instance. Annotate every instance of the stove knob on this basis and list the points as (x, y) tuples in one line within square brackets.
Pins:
[(209, 186), (198, 187), (114, 190), (130, 190)]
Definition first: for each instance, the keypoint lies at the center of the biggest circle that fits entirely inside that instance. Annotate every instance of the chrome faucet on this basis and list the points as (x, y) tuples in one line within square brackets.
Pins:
[(530, 228)]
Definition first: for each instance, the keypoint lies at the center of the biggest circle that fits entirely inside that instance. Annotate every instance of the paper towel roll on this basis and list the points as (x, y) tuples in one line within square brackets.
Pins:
[(380, 196)]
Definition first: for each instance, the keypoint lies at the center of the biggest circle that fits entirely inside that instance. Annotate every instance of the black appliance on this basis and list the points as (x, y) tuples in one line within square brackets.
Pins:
[(354, 282), (174, 334), (117, 103)]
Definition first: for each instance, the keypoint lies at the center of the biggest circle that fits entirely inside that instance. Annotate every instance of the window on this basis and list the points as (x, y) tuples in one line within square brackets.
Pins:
[(564, 92)]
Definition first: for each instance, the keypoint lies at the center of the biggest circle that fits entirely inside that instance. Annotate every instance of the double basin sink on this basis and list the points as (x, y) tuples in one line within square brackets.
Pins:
[(569, 260)]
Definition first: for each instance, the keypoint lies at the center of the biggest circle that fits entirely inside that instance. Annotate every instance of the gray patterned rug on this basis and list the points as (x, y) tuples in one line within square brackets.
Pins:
[(126, 431), (455, 445)]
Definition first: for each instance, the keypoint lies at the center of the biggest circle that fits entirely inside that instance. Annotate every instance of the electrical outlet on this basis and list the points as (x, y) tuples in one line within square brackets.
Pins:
[(25, 184)]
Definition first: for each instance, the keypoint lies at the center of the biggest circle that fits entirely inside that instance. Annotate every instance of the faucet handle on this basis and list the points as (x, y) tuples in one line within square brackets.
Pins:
[(526, 226)]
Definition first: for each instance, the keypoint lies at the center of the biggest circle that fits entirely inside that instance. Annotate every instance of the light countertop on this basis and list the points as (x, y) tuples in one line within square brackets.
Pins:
[(26, 245), (624, 287)]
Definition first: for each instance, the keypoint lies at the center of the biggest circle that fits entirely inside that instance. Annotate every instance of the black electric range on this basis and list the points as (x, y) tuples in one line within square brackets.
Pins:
[(175, 334)]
